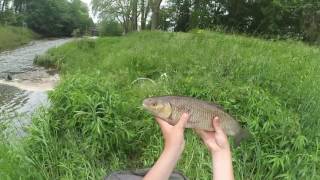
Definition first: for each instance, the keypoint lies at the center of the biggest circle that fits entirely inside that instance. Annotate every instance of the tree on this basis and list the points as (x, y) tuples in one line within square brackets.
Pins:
[(311, 22), (155, 18), (134, 17), (183, 15), (109, 28), (57, 17), (80, 17), (118, 10), (144, 11), (167, 21), (12, 12), (268, 18)]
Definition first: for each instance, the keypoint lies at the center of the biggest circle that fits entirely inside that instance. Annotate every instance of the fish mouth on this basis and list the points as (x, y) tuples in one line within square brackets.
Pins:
[(144, 104)]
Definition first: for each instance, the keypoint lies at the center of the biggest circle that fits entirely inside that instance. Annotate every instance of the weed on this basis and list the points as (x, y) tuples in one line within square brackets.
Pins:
[(12, 37), (96, 124)]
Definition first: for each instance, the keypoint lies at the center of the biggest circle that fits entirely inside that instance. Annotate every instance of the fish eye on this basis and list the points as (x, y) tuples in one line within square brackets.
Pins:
[(154, 104)]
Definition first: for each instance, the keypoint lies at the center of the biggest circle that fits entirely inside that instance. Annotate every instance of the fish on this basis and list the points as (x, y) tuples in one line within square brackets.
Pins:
[(170, 109)]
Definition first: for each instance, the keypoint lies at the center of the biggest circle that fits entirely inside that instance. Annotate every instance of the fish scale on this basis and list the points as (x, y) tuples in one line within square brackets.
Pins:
[(200, 118)]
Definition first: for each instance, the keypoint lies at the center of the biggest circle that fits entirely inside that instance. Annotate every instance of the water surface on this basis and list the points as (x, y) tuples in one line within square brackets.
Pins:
[(20, 97)]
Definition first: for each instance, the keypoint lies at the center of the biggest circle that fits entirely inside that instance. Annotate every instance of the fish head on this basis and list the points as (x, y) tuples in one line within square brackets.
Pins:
[(158, 107)]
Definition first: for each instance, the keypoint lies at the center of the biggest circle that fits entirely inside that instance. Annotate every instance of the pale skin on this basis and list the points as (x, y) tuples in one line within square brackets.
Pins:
[(216, 142)]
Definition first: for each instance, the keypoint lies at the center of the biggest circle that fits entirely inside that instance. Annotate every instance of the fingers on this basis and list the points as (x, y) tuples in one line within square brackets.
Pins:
[(216, 125), (183, 120), (202, 133), (207, 138), (165, 127)]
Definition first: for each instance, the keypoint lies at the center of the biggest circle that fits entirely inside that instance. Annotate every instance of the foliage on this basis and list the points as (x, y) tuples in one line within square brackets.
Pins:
[(110, 28), (46, 60), (96, 125), (126, 12), (311, 22), (122, 11), (76, 33), (166, 22), (47, 17), (287, 19), (14, 162), (86, 44), (183, 15), (11, 12), (12, 37), (10, 18), (50, 60), (58, 17)]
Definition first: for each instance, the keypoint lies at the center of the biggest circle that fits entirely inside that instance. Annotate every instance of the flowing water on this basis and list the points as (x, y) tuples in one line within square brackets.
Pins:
[(27, 90)]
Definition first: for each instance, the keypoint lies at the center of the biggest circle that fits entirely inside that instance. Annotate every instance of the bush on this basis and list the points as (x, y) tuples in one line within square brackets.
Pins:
[(12, 37), (14, 163), (47, 60), (110, 28), (86, 44), (76, 33), (311, 23)]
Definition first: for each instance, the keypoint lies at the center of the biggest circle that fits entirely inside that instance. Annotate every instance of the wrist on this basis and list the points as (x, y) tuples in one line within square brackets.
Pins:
[(221, 153), (175, 149), (222, 164), (171, 154)]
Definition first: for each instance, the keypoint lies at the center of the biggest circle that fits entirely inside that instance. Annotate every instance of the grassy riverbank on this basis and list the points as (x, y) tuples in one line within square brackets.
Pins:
[(12, 37), (96, 124)]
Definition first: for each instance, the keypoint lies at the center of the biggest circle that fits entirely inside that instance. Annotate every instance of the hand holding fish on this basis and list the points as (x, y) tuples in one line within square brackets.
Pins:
[(174, 135), (174, 145), (218, 144), (169, 111), (215, 140)]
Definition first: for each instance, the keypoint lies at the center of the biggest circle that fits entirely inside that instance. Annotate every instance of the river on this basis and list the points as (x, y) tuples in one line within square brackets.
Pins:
[(27, 90)]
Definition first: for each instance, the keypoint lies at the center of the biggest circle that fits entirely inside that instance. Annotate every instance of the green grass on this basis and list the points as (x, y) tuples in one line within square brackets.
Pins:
[(96, 124), (14, 163), (50, 60), (12, 37)]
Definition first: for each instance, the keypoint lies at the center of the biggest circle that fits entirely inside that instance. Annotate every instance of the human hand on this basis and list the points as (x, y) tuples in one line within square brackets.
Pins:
[(173, 147), (217, 140), (174, 135), (218, 144)]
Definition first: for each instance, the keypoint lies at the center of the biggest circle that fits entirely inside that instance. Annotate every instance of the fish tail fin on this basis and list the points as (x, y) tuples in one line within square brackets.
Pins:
[(241, 135)]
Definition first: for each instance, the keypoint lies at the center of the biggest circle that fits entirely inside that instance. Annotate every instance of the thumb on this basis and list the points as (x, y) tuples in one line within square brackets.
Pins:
[(216, 125), (183, 120), (164, 126)]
